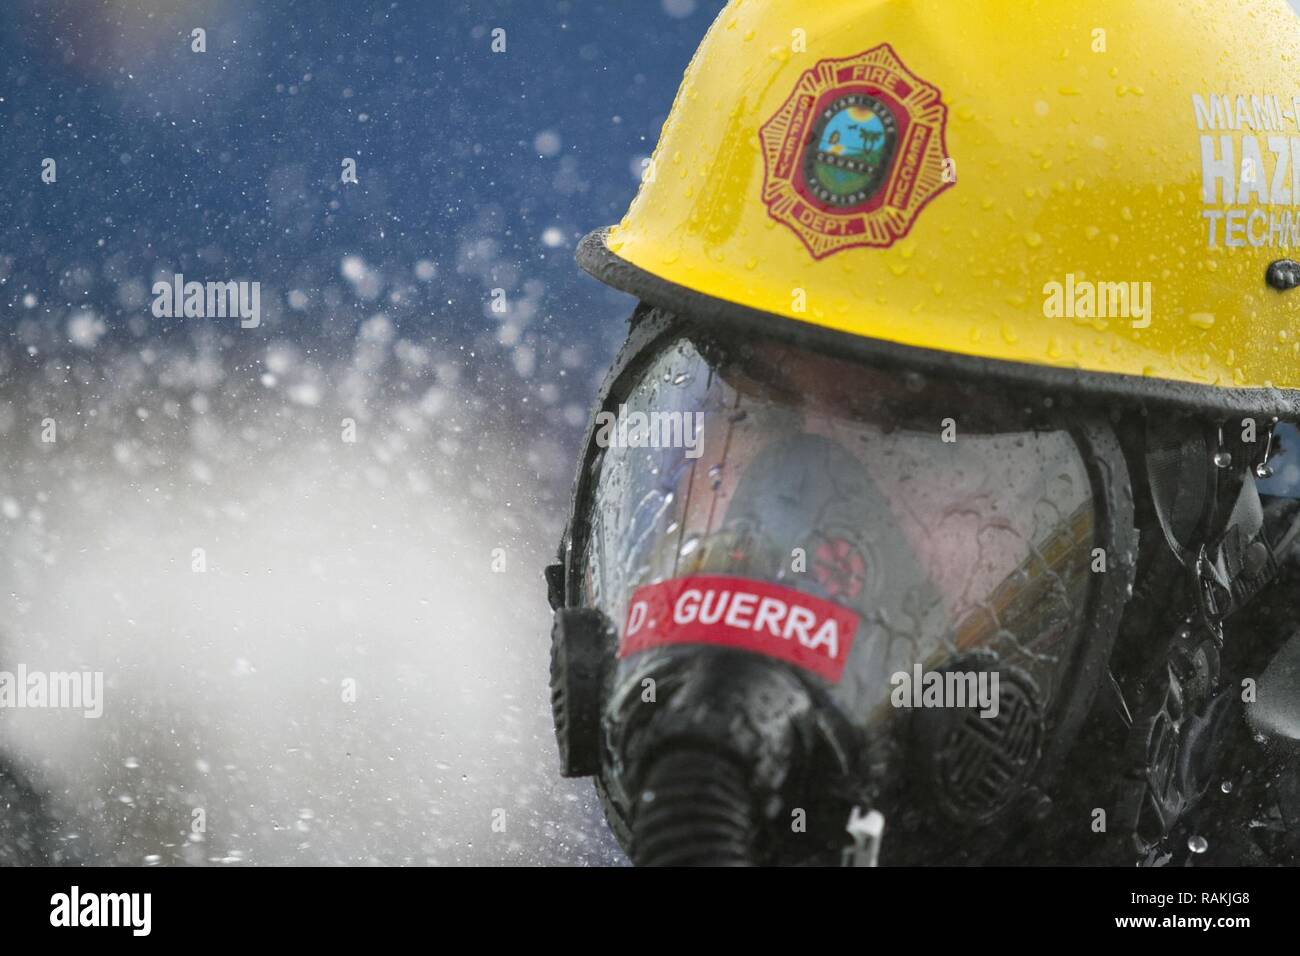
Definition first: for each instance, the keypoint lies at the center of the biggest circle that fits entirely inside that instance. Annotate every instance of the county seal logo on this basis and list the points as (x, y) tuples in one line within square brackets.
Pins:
[(855, 153)]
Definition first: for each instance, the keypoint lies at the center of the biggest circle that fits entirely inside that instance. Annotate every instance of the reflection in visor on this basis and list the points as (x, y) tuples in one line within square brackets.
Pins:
[(836, 481)]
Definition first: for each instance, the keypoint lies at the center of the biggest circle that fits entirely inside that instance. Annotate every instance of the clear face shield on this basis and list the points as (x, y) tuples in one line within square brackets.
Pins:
[(875, 535), (919, 563)]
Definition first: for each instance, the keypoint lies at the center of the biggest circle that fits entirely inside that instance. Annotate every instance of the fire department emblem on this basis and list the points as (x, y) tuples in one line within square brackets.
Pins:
[(855, 153)]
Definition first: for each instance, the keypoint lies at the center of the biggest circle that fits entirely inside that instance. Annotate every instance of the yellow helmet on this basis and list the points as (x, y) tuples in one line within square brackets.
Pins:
[(1091, 196)]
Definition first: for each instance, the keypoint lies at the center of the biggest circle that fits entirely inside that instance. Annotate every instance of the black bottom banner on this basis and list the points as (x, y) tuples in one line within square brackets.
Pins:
[(333, 905)]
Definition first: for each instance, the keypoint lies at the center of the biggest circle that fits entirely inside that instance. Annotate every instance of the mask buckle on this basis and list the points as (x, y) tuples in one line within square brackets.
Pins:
[(867, 830), (1176, 741), (1213, 597)]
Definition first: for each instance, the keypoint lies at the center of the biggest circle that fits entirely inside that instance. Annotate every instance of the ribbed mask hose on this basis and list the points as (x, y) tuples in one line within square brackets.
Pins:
[(695, 810)]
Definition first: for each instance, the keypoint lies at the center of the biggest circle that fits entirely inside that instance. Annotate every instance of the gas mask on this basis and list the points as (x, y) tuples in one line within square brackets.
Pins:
[(802, 594)]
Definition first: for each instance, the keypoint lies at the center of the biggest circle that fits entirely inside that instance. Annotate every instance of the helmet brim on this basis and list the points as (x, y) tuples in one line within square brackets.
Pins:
[(595, 257)]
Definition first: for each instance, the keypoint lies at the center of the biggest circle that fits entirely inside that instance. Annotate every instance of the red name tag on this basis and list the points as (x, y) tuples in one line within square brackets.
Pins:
[(737, 612)]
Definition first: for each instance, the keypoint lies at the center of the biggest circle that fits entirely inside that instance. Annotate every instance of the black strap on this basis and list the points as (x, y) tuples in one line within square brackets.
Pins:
[(1178, 500), (1228, 568)]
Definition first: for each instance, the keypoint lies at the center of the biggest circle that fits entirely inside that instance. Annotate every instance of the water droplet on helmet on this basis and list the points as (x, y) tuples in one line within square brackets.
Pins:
[(1226, 786), (1222, 459), (1197, 844)]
